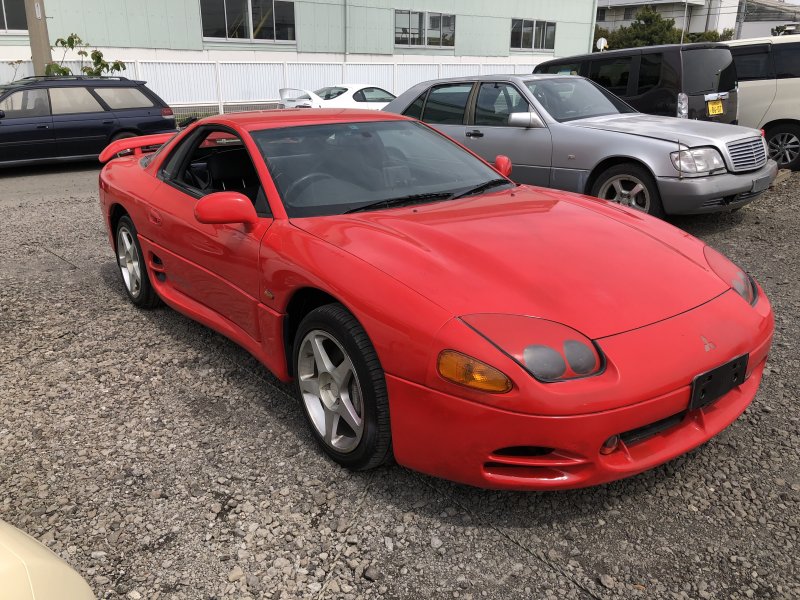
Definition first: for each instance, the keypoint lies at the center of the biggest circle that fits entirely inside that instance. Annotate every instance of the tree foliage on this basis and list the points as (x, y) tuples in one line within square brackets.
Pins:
[(98, 66), (651, 29)]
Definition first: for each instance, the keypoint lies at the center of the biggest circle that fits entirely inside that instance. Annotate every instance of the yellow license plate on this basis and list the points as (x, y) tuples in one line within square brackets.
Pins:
[(715, 107)]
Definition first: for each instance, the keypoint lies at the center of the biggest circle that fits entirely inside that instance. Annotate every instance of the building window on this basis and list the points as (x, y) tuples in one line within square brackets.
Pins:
[(261, 20), (527, 34), (630, 13), (12, 16), (433, 29), (601, 14)]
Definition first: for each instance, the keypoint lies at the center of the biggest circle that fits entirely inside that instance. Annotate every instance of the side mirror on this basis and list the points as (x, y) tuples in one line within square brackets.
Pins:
[(2, 114), (225, 207), (528, 120), (503, 164)]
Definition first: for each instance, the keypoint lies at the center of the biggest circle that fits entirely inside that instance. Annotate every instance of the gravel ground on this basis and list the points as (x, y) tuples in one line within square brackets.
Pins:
[(162, 461)]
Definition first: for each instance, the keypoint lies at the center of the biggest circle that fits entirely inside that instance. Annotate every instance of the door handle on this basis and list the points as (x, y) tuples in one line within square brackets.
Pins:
[(42, 126), (107, 122), (154, 216), (475, 133)]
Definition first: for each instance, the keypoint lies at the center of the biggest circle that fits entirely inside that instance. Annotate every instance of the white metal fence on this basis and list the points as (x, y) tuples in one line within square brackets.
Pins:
[(224, 85)]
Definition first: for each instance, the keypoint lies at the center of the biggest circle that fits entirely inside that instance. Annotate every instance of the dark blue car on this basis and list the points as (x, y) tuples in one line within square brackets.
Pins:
[(50, 119)]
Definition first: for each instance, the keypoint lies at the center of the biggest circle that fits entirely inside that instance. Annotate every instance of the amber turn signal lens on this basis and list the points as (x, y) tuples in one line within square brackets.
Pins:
[(472, 373)]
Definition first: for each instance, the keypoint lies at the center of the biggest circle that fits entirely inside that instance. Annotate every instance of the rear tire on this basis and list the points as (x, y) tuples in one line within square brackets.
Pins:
[(783, 145), (122, 136), (341, 387), (132, 266), (631, 185)]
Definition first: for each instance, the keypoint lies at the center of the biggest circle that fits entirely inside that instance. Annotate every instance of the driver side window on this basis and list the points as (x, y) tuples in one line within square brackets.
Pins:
[(217, 162), (496, 101)]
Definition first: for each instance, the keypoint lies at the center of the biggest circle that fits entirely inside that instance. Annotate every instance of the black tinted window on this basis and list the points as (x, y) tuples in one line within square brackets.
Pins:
[(415, 108), (753, 62), (649, 73), (447, 103), (612, 73), (787, 60), (708, 70)]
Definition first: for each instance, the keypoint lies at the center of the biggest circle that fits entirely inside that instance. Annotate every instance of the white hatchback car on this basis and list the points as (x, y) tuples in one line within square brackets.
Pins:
[(342, 95), (769, 86)]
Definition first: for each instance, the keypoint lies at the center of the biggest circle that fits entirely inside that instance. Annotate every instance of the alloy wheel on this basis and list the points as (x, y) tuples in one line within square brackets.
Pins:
[(626, 190), (784, 148), (331, 391), (130, 264)]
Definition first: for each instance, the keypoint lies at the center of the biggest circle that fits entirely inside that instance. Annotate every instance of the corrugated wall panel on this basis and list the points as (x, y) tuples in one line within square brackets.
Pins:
[(499, 68), (247, 82), (411, 74), (374, 74), (460, 70), (524, 69), (312, 76), (181, 82)]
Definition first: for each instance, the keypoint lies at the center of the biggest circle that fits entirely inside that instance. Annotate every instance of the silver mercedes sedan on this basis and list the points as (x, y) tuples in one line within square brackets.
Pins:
[(566, 132)]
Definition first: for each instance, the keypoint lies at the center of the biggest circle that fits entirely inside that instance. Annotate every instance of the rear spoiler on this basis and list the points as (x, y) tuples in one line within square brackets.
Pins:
[(135, 145)]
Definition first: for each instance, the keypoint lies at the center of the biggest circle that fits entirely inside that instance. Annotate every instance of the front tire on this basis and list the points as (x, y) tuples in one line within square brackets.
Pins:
[(783, 145), (631, 185), (341, 386), (132, 268)]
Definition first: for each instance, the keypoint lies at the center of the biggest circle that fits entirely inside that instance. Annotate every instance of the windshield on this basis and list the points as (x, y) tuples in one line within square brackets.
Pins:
[(571, 98), (334, 168), (708, 70)]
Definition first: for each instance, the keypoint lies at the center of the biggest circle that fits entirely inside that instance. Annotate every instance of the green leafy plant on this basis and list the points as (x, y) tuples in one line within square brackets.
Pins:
[(651, 29), (99, 65)]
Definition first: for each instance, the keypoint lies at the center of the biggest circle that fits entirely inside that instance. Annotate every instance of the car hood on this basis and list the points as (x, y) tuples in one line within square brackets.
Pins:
[(576, 260), (671, 129)]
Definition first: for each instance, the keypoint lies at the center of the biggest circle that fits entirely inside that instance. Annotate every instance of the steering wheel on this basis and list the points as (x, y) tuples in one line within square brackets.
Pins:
[(305, 181)]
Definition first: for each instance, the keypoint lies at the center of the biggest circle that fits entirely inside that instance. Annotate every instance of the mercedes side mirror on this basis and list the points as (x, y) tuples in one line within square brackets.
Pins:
[(225, 207), (528, 120)]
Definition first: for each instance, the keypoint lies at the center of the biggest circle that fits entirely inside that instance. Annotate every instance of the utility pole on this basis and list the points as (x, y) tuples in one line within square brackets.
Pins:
[(685, 10), (740, 18), (37, 34)]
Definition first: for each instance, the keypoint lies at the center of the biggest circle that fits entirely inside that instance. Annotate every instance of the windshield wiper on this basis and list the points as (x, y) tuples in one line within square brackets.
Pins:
[(481, 188), (401, 201)]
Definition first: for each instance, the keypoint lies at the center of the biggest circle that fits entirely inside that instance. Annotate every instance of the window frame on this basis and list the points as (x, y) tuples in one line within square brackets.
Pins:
[(424, 33), (468, 109), (4, 30), (250, 39), (23, 91), (372, 87), (537, 25)]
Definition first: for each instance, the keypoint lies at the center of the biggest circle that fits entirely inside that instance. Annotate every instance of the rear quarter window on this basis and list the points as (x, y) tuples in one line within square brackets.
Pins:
[(753, 62), (787, 60), (119, 98)]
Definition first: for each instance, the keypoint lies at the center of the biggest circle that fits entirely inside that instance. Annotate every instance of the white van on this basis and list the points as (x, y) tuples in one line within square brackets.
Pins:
[(769, 88)]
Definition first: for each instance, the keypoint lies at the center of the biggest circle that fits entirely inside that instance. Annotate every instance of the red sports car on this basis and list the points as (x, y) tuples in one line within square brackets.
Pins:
[(428, 308)]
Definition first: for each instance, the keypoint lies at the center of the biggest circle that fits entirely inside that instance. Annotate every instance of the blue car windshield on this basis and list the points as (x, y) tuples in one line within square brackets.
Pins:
[(339, 167), (571, 98)]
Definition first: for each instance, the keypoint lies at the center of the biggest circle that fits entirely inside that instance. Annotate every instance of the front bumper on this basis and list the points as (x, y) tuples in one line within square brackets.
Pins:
[(714, 193), (448, 436)]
